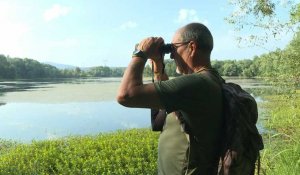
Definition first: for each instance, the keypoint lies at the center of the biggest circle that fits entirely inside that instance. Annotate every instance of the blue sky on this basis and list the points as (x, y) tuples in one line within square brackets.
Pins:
[(103, 32)]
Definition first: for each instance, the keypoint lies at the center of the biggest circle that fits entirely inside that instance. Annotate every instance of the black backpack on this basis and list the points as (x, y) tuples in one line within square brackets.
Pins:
[(241, 140)]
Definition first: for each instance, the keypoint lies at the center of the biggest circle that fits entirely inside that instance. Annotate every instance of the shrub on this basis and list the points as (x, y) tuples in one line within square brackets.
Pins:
[(122, 152)]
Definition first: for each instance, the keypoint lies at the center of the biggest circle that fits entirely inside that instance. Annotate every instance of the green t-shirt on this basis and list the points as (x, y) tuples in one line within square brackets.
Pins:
[(198, 97)]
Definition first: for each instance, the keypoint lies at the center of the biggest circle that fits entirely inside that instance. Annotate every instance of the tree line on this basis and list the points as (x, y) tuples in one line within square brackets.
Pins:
[(17, 68), (281, 65)]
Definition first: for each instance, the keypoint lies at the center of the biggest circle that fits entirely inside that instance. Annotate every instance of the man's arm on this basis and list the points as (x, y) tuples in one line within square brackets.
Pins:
[(132, 91), (158, 116)]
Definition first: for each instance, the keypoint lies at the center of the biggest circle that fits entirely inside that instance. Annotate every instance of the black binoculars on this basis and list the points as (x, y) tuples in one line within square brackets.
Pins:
[(166, 49)]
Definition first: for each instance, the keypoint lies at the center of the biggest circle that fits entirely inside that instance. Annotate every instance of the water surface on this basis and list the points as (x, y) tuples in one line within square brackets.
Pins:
[(47, 110), (43, 109)]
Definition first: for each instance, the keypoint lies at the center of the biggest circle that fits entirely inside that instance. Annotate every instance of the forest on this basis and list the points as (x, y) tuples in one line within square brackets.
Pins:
[(281, 65), (18, 68)]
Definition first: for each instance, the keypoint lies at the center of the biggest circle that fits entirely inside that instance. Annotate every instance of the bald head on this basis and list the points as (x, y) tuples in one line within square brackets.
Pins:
[(198, 33)]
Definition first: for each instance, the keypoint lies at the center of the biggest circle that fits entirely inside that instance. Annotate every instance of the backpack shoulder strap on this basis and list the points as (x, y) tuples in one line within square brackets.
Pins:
[(216, 74)]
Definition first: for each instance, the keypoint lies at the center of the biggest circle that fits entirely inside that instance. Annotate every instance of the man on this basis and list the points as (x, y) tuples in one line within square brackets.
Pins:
[(190, 140)]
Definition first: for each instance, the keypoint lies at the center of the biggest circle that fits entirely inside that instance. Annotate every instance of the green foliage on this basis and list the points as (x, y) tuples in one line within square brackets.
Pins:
[(263, 14), (264, 7), (17, 68), (171, 68), (6, 70), (282, 146), (123, 152), (242, 68), (147, 71), (291, 66), (281, 67), (295, 14), (26, 68), (117, 72), (100, 71), (230, 68)]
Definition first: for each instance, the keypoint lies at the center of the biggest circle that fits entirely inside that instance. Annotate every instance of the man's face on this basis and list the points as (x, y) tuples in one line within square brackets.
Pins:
[(179, 53)]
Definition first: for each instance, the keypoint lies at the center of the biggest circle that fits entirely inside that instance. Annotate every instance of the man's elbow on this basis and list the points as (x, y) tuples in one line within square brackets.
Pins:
[(124, 99), (121, 98)]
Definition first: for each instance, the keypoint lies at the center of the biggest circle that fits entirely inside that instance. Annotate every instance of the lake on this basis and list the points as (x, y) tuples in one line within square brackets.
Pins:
[(39, 110)]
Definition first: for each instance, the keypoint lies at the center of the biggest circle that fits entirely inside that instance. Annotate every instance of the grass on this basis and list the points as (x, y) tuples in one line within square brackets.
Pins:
[(282, 142)]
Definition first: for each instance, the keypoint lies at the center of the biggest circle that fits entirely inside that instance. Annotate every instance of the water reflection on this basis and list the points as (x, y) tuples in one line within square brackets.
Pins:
[(48, 109), (27, 121), (19, 86), (62, 91), (24, 85)]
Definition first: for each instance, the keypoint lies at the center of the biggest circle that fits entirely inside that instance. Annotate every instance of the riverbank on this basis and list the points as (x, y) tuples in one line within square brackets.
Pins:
[(135, 151), (282, 141)]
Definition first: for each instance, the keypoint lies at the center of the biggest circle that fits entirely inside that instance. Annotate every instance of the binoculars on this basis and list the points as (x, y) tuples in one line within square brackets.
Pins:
[(166, 49)]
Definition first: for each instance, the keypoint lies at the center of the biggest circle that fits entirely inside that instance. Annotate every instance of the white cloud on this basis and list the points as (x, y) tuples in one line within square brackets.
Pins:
[(189, 15), (185, 14), (128, 25), (56, 11)]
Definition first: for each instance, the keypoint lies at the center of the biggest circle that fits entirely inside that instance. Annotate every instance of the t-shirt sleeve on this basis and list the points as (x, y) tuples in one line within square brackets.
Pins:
[(174, 93)]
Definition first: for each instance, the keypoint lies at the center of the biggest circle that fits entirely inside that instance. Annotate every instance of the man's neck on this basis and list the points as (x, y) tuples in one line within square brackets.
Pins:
[(201, 67), (202, 62)]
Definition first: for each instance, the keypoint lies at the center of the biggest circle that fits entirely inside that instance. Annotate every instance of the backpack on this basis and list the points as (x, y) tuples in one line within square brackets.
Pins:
[(241, 140)]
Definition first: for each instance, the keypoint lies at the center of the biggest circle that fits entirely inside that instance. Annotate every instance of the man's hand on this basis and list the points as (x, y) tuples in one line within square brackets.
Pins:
[(150, 46), (132, 91)]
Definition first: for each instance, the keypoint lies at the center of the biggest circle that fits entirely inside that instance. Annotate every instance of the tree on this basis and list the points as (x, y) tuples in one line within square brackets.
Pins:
[(147, 71), (117, 71), (34, 69), (230, 68), (19, 67), (246, 68), (263, 14), (218, 65), (100, 71), (6, 69), (51, 71), (280, 66), (291, 62), (170, 68)]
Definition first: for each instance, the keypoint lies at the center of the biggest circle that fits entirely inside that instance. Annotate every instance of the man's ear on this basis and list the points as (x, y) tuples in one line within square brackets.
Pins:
[(192, 48)]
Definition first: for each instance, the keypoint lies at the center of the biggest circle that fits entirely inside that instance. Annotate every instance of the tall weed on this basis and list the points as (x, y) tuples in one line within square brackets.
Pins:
[(282, 147)]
